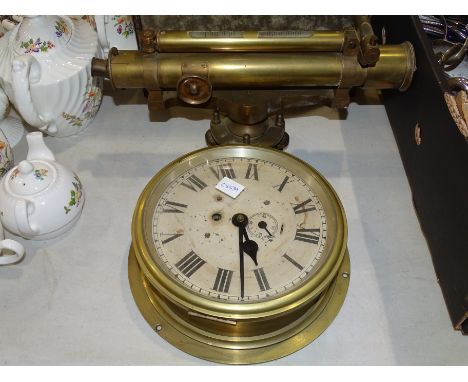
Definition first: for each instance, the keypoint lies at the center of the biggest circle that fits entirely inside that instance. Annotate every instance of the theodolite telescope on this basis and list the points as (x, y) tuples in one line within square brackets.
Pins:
[(249, 79)]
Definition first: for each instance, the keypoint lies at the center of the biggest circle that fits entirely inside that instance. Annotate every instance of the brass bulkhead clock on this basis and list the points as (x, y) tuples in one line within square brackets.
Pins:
[(239, 280)]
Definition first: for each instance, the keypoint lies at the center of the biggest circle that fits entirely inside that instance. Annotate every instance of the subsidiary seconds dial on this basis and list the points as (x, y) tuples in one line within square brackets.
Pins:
[(264, 243)]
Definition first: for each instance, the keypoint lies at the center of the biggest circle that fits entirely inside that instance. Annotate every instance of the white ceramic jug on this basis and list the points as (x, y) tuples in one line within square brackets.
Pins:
[(45, 70), (39, 198)]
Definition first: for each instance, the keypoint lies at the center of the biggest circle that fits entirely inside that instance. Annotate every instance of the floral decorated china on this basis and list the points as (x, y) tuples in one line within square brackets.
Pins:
[(6, 154), (45, 71), (116, 31), (39, 198)]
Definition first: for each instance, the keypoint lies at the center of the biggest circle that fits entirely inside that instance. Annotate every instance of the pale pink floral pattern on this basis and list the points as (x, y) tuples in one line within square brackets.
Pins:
[(41, 173), (123, 25), (91, 21), (61, 28), (37, 46), (6, 159), (14, 174), (92, 101)]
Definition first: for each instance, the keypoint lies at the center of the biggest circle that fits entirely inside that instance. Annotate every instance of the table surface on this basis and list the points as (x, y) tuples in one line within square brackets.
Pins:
[(68, 302)]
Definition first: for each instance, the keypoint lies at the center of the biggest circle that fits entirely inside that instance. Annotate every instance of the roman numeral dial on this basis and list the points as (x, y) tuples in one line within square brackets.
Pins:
[(280, 187), (168, 237), (261, 278), (304, 207), (252, 171), (308, 235), (190, 263), (223, 280), (174, 207), (200, 246), (194, 183), (293, 262), (223, 170)]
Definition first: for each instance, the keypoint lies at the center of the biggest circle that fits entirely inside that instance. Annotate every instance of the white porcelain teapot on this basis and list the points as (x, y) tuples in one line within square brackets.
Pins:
[(45, 70), (39, 198)]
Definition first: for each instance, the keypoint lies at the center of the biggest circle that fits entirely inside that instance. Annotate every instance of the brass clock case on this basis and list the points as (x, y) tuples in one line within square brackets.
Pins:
[(248, 331)]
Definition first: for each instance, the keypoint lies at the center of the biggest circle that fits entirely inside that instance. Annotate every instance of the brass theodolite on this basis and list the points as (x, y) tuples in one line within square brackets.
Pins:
[(250, 78)]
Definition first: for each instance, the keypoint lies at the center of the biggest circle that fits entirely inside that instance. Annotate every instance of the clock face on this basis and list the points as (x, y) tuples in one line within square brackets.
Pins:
[(196, 240), (243, 275)]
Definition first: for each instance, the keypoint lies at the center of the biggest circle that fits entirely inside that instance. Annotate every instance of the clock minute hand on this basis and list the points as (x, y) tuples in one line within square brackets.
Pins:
[(241, 260), (240, 220)]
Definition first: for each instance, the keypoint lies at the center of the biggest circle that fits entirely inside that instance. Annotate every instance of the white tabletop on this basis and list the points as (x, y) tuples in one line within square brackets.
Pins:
[(69, 302)]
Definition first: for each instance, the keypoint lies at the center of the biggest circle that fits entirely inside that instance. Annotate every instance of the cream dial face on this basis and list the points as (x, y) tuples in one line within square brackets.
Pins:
[(199, 246)]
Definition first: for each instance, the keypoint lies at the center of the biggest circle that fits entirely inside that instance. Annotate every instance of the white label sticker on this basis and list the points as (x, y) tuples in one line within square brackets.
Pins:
[(230, 187)]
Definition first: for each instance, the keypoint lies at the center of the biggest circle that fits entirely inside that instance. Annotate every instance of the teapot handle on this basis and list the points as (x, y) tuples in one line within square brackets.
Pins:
[(23, 209), (101, 22), (25, 71), (15, 247)]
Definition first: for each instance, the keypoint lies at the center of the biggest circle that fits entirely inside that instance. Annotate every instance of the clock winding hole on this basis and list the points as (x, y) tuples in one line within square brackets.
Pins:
[(216, 216)]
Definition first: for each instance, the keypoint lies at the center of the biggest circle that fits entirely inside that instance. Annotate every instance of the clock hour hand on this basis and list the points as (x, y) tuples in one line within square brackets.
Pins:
[(250, 247)]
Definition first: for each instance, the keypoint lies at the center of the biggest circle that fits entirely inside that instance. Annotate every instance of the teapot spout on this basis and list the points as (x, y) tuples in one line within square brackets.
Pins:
[(37, 148)]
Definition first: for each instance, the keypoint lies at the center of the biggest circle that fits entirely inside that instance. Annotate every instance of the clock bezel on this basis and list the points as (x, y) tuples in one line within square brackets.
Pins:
[(237, 347), (182, 296)]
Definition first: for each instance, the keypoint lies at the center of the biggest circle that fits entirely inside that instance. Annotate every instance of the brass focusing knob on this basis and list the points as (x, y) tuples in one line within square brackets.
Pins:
[(194, 90)]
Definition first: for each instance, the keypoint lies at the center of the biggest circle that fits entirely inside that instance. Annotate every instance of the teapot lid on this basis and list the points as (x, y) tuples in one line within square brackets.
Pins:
[(42, 34), (30, 177)]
